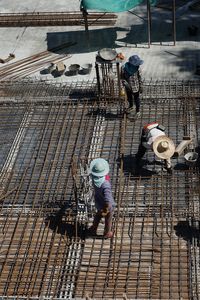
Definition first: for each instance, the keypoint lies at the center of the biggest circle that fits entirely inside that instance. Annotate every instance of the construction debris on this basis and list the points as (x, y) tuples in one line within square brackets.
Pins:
[(10, 57), (33, 63)]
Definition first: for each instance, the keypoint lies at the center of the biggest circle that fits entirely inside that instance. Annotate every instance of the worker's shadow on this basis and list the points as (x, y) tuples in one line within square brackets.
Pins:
[(107, 114), (60, 224), (70, 229), (187, 232), (135, 168)]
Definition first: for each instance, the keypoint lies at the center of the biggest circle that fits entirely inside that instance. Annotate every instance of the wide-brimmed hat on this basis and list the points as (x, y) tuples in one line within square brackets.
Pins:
[(163, 147), (99, 167), (135, 60)]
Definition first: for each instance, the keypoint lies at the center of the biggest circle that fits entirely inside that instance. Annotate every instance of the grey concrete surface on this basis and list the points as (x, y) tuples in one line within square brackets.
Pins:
[(162, 60)]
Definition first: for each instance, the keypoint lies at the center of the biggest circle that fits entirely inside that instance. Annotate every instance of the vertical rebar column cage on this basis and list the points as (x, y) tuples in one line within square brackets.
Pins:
[(108, 78)]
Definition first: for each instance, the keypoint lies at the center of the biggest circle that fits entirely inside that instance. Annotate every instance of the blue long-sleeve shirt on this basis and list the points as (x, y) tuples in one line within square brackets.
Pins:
[(103, 196)]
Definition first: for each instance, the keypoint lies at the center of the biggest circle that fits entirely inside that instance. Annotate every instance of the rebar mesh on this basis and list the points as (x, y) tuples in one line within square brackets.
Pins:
[(49, 135)]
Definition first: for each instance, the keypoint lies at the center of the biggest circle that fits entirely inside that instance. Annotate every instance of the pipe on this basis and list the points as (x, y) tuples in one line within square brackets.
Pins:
[(183, 144)]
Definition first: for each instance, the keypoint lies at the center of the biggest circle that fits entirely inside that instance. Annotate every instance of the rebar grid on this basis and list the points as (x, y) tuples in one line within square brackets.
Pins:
[(44, 251), (34, 88), (152, 263), (55, 19)]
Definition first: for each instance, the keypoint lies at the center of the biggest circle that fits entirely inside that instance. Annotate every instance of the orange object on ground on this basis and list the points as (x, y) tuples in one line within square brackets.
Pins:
[(147, 125), (120, 55)]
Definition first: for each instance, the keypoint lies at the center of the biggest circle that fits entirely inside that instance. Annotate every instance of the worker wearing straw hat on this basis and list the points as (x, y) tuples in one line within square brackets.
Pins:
[(154, 137), (104, 202)]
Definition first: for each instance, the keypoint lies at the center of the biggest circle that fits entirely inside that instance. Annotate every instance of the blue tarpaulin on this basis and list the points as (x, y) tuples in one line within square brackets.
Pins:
[(112, 5)]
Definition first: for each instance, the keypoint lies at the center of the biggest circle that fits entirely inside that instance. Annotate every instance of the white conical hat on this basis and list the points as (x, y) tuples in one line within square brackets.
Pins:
[(163, 147)]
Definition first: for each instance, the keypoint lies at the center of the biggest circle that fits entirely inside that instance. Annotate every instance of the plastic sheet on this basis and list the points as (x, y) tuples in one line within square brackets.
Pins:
[(112, 5)]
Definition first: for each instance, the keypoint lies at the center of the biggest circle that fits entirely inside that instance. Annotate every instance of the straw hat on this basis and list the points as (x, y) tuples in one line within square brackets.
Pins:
[(163, 147), (135, 60), (99, 167)]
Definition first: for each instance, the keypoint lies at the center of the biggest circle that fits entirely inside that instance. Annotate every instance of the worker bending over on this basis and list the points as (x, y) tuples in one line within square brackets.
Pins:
[(153, 137), (104, 201)]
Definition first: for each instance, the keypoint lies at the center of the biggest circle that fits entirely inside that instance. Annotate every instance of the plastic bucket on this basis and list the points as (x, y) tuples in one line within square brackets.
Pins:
[(73, 69), (86, 68), (51, 68), (60, 68), (191, 158)]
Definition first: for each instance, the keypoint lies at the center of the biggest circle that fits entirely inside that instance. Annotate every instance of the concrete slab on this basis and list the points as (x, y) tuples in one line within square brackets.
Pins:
[(162, 60)]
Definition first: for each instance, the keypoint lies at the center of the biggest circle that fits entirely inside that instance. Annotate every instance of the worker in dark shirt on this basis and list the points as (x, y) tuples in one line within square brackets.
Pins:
[(132, 82)]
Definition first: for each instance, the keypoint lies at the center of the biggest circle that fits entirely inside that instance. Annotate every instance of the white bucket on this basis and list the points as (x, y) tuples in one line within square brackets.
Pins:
[(191, 158)]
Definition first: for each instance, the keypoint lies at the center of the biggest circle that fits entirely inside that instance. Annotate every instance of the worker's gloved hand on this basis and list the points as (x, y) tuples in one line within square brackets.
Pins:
[(105, 211)]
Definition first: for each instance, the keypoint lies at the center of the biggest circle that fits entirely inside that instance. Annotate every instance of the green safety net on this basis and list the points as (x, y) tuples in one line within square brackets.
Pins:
[(112, 5)]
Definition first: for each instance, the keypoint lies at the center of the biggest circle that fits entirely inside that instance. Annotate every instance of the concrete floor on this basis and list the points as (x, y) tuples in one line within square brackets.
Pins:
[(162, 60)]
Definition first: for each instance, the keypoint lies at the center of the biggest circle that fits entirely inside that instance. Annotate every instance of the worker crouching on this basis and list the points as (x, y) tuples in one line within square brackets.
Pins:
[(104, 201), (153, 137)]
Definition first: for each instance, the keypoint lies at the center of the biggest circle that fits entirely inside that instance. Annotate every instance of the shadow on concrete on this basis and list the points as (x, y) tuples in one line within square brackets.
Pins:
[(188, 60), (181, 167), (187, 232), (131, 166), (162, 30), (76, 95), (138, 35), (135, 28), (70, 229), (85, 42), (107, 115)]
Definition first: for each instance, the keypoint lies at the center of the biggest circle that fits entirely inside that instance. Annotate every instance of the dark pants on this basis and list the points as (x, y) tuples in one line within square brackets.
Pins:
[(141, 149), (108, 221), (133, 97)]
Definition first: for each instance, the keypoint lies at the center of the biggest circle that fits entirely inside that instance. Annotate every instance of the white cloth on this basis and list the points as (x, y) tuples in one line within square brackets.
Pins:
[(151, 136), (152, 132)]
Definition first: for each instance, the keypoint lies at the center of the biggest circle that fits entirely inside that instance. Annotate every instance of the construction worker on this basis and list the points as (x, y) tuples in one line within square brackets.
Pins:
[(154, 137), (132, 82), (104, 201)]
